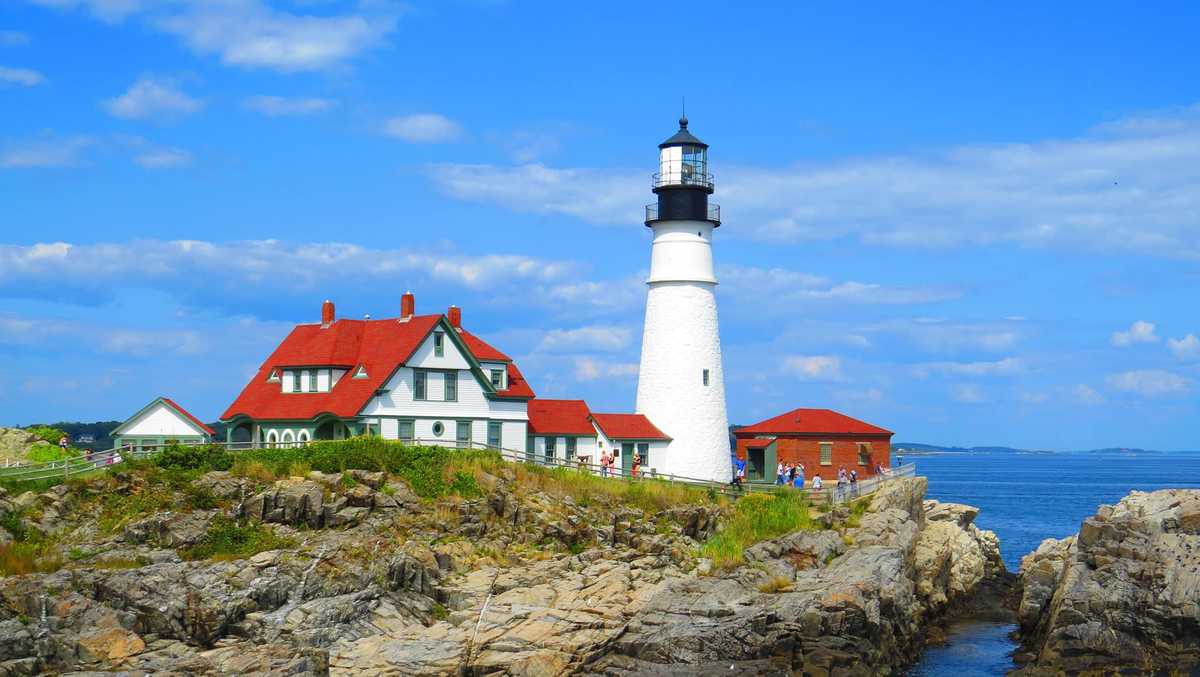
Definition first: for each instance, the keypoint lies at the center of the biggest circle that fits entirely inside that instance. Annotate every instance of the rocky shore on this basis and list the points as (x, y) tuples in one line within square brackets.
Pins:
[(369, 579), (1120, 597)]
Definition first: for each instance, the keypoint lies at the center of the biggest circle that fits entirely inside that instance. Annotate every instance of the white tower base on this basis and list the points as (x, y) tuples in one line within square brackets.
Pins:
[(681, 348)]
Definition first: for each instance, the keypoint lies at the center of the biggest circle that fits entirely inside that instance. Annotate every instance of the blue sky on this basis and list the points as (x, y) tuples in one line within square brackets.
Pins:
[(967, 224)]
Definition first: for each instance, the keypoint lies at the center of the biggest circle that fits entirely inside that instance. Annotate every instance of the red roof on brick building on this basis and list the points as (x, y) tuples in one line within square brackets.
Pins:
[(628, 427), (811, 422), (560, 417), (379, 347)]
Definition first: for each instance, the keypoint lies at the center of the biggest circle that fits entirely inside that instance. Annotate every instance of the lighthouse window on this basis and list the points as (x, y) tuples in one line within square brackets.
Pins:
[(705, 377)]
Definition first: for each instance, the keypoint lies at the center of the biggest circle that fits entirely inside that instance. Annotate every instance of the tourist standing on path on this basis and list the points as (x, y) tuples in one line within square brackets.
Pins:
[(605, 461), (63, 443), (799, 483), (841, 483), (637, 463), (817, 484), (853, 484), (780, 473)]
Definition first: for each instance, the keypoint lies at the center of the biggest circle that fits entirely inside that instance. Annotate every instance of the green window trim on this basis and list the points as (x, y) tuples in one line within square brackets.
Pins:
[(495, 434), (551, 448), (420, 385), (296, 381), (572, 447), (497, 376), (312, 381), (405, 429), (450, 386), (462, 434), (439, 344)]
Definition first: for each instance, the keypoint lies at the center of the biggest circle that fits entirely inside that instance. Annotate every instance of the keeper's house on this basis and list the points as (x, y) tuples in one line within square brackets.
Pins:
[(823, 440), (567, 430), (158, 423), (412, 377)]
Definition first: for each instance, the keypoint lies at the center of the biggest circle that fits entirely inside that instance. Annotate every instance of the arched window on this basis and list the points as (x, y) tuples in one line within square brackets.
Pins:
[(302, 437), (272, 438), (287, 438)]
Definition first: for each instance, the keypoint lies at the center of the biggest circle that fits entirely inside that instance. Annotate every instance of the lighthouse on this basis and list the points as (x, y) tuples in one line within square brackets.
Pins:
[(681, 382)]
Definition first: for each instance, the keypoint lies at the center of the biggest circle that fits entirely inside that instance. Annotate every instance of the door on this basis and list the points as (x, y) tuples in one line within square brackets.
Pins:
[(757, 459), (627, 457)]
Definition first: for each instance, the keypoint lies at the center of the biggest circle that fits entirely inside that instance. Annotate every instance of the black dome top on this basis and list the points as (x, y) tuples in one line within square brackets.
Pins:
[(683, 137)]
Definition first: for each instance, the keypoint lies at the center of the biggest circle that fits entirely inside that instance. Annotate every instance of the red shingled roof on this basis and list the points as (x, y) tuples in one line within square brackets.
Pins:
[(628, 427), (186, 414), (812, 421), (381, 346), (559, 417)]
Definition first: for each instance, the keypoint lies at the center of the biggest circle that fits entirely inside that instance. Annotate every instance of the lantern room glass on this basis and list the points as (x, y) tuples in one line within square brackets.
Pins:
[(695, 165), (684, 165)]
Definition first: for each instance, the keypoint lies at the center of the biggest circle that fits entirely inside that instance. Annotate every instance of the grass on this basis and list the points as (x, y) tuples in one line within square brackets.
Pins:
[(30, 551), (227, 540), (116, 509), (757, 517), (776, 584)]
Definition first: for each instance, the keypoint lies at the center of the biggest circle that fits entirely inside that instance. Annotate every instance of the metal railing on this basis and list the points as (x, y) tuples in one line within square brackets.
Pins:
[(714, 212), (681, 178), (109, 459)]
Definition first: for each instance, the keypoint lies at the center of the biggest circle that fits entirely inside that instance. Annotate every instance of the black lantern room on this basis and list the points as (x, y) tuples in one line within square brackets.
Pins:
[(682, 182)]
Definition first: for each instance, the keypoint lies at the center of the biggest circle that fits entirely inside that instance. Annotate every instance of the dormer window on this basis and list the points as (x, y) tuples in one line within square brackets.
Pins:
[(497, 379), (296, 381), (439, 344), (361, 372), (312, 381), (273, 377)]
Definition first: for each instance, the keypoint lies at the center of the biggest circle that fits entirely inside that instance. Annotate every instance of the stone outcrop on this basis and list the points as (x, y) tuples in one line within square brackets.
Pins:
[(1124, 594), (516, 582)]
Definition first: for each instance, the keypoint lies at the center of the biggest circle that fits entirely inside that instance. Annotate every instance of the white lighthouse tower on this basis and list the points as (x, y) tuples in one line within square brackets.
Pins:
[(681, 383)]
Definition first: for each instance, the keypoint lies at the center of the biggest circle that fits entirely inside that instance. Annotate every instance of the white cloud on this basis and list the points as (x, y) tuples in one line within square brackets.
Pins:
[(13, 38), (1086, 394), (1186, 348), (938, 336), (150, 98), (164, 158), (250, 33), (276, 106), (622, 295), (1004, 367), (967, 394), (592, 369), (45, 153), (814, 367), (423, 128), (1149, 383), (784, 286), (596, 337), (1138, 332), (1126, 187), (230, 275), (140, 342), (21, 76)]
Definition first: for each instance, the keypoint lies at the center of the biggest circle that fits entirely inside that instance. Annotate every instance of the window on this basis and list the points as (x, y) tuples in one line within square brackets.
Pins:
[(274, 375), (451, 389), (463, 434), (404, 430), (864, 453), (438, 428), (498, 379), (643, 450), (361, 372), (302, 437), (312, 381), (272, 438), (571, 446), (418, 385), (296, 381), (494, 430), (439, 344), (287, 438), (551, 448), (705, 377), (827, 453), (529, 449)]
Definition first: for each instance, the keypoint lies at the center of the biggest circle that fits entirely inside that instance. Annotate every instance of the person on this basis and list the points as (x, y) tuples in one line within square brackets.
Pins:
[(817, 485), (605, 461), (853, 483), (739, 475), (63, 443), (841, 484), (780, 472), (637, 463), (799, 481)]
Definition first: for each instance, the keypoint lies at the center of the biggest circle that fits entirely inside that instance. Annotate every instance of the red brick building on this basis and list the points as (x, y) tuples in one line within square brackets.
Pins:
[(821, 439)]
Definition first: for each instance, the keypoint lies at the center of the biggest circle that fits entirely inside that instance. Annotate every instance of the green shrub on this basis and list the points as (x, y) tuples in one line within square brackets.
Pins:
[(194, 457), (45, 432), (43, 453), (225, 539), (757, 517), (463, 483)]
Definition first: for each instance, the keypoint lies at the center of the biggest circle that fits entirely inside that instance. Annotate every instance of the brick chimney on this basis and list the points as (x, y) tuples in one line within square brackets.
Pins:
[(454, 314), (408, 306), (327, 315)]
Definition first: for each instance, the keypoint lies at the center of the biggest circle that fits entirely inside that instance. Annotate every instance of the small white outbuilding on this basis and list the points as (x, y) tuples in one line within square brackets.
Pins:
[(158, 423)]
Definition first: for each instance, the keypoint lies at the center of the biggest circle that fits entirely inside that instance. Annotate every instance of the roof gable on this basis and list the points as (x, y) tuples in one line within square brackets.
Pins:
[(812, 422), (183, 414)]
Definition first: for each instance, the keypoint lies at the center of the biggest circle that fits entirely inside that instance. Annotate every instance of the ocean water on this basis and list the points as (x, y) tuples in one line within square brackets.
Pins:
[(1026, 498)]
